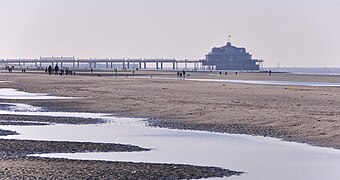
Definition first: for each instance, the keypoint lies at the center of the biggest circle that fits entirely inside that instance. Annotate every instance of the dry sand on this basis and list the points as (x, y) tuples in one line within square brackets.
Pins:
[(297, 113)]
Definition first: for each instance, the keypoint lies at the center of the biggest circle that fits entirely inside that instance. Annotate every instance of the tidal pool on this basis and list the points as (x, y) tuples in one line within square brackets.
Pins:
[(259, 157)]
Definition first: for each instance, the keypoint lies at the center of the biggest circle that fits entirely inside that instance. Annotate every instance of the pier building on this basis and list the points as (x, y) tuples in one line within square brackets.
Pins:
[(229, 57)]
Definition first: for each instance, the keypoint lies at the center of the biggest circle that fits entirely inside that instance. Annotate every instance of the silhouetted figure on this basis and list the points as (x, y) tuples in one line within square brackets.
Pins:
[(220, 73), (49, 69), (177, 73), (183, 74), (236, 73), (56, 69), (91, 70), (226, 73), (46, 71), (270, 72)]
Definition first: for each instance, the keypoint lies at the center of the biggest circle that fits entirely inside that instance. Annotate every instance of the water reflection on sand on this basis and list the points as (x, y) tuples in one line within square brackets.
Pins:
[(260, 82), (9, 93), (265, 82)]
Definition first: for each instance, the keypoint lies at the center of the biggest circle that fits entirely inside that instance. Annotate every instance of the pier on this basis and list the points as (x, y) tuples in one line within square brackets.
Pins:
[(78, 63)]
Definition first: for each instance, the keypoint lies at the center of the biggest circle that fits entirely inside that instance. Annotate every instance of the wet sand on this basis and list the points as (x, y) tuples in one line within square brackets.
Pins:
[(294, 113), (48, 168), (13, 147)]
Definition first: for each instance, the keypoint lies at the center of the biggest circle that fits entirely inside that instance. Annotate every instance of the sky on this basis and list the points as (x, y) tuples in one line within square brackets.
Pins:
[(285, 33)]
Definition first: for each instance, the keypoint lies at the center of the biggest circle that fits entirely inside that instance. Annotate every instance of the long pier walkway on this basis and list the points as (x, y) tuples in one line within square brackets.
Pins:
[(75, 63)]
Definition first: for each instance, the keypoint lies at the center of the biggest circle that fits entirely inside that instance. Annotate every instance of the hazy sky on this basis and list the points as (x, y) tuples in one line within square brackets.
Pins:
[(293, 32)]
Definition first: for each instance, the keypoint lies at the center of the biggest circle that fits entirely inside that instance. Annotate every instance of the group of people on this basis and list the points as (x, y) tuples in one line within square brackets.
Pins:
[(58, 71), (226, 73), (10, 69)]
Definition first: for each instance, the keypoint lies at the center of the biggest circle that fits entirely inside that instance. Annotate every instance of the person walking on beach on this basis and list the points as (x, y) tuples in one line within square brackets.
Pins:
[(49, 69), (56, 69), (183, 74), (270, 72), (91, 70)]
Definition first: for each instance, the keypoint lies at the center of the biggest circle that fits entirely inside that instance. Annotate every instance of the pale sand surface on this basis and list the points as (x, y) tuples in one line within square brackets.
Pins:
[(297, 113)]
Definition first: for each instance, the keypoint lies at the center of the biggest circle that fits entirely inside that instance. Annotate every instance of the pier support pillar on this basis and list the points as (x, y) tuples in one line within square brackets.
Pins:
[(107, 65), (128, 65), (144, 65), (78, 64), (173, 66), (156, 65), (161, 65)]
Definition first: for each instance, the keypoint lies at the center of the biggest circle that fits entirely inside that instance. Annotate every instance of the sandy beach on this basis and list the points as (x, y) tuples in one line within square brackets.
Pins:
[(293, 113)]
